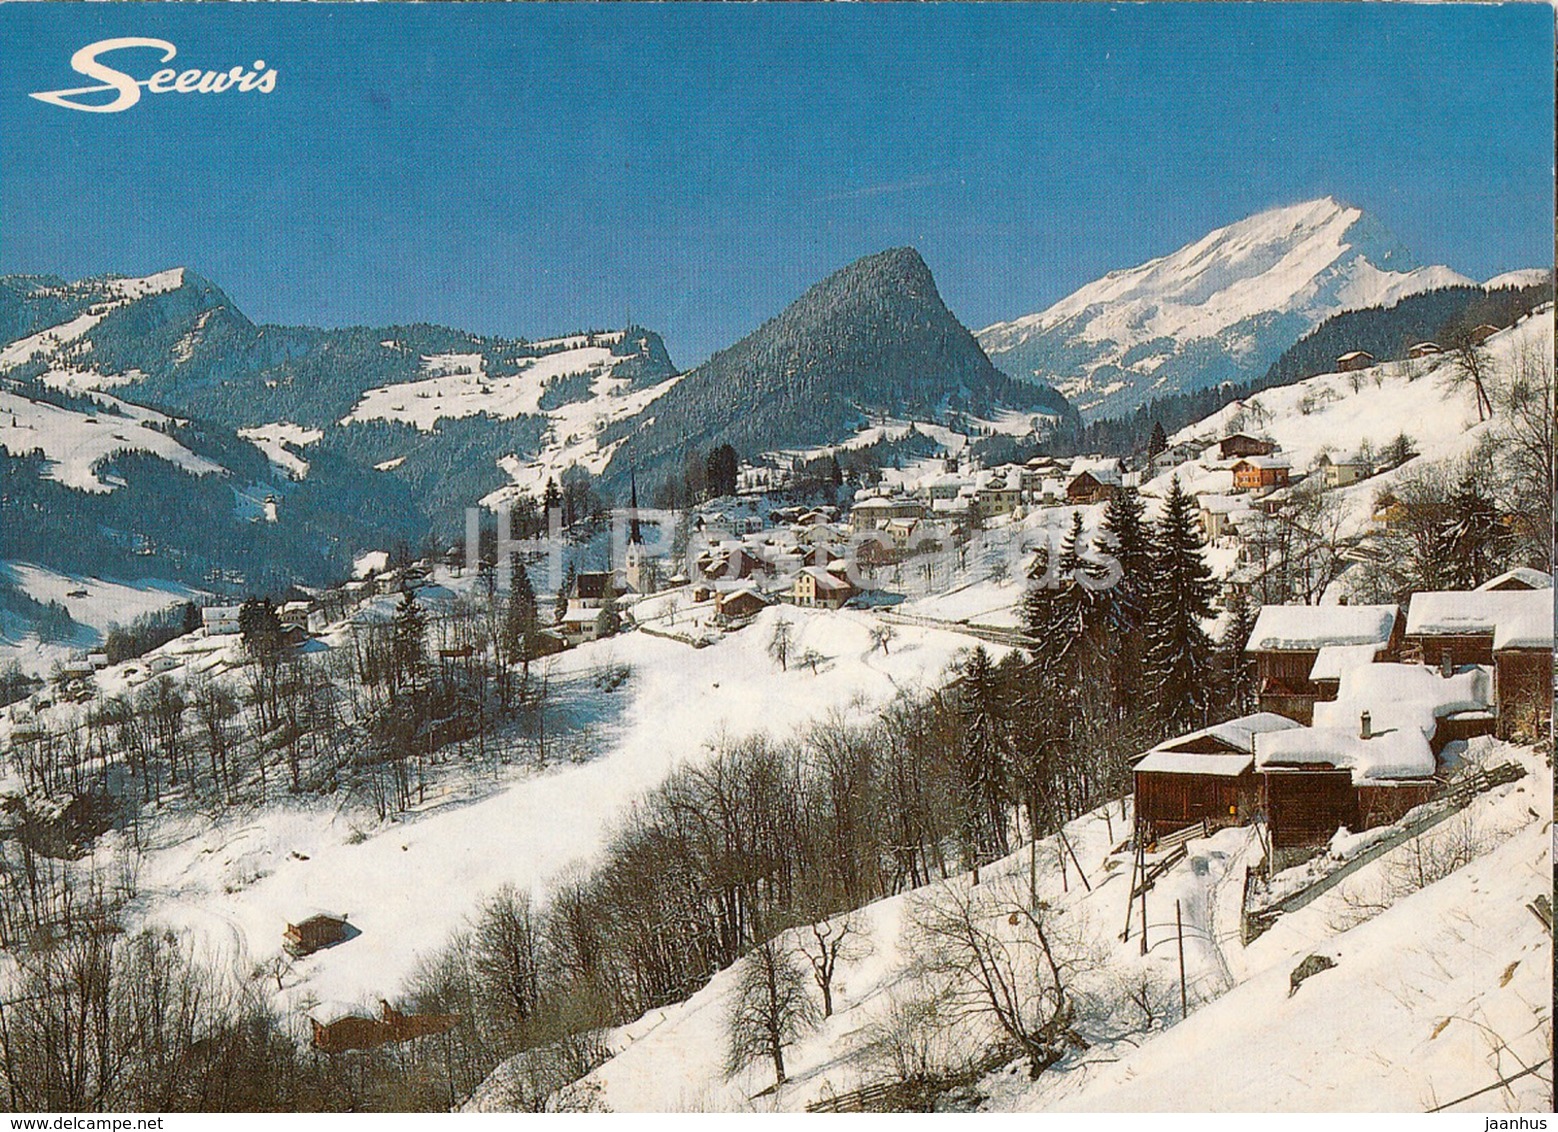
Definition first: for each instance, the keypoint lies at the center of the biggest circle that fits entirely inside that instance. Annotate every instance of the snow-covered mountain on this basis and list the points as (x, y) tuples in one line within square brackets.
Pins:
[(1222, 308)]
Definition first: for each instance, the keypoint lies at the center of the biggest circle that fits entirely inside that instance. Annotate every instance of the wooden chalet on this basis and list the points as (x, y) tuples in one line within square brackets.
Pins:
[(1287, 643), (1480, 334), (1354, 360), (1459, 627), (1261, 473), (739, 604), (589, 589), (1096, 485), (1316, 780), (318, 931), (1424, 349), (1206, 775), (1239, 444)]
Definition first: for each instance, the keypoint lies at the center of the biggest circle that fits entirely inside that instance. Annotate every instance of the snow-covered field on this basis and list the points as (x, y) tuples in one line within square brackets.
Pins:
[(408, 883), (277, 441), (103, 603), (1443, 993), (75, 441), (454, 386)]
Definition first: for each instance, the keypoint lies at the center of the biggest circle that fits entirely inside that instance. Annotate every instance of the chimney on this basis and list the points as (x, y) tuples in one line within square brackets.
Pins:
[(1446, 665), (1365, 727)]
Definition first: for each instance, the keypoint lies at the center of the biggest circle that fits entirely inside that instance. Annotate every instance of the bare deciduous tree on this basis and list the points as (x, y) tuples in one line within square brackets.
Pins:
[(770, 1008), (824, 944), (995, 957)]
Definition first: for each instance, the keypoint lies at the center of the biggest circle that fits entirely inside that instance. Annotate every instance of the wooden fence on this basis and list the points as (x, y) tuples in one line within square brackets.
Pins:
[(1454, 798), (916, 1094)]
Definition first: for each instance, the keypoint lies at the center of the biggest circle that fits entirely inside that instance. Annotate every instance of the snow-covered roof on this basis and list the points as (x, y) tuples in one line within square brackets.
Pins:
[(1333, 660), (1521, 577), (1238, 734), (1180, 762), (1269, 462), (1221, 504), (1480, 612), (1103, 474), (1388, 756), (1344, 459), (1404, 696), (1302, 627), (1530, 629), (825, 580)]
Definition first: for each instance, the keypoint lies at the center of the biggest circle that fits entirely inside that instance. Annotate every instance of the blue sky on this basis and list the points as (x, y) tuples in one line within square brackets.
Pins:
[(533, 169)]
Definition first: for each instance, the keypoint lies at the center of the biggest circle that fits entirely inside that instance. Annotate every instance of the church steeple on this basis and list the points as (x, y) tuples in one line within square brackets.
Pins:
[(635, 536)]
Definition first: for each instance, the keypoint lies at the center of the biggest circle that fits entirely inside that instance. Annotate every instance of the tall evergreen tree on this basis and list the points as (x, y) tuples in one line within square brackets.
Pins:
[(984, 766), (1159, 441), (1479, 541), (609, 621), (551, 500), (1234, 668), (1178, 660), (720, 471), (521, 617), (408, 639), (1117, 571)]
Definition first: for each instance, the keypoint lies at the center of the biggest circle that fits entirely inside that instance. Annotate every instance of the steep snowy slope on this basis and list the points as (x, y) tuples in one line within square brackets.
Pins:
[(1338, 413), (409, 883), (1442, 994), (1220, 309)]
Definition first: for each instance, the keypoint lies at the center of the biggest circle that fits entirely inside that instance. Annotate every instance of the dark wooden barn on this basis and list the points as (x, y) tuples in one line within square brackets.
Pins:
[(318, 931), (1287, 641), (1206, 775)]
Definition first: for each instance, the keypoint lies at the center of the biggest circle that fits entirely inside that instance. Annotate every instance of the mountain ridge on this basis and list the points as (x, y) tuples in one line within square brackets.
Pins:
[(1220, 308), (872, 337)]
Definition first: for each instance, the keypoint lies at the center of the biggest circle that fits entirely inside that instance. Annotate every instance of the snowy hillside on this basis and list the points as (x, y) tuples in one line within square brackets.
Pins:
[(409, 882), (100, 296), (75, 440), (1222, 308), (1439, 994), (1338, 413), (575, 386)]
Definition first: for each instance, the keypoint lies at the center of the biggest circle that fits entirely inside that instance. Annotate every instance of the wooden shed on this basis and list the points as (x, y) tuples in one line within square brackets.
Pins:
[(1316, 780), (1306, 806), (1239, 444), (1208, 774), (319, 931)]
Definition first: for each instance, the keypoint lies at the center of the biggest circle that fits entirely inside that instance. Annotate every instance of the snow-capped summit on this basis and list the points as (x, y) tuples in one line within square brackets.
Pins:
[(1222, 308)]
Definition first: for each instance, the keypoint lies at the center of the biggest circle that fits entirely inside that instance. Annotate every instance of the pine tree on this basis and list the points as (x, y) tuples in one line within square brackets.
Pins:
[(1178, 659), (1237, 675), (1479, 543), (521, 616), (1159, 441), (609, 621), (260, 626), (1125, 539), (985, 763), (408, 638)]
